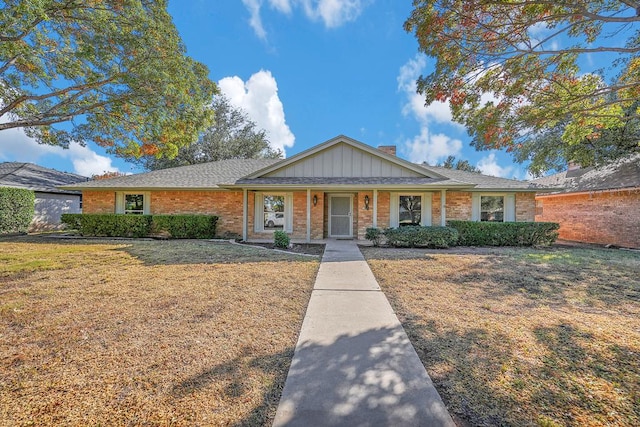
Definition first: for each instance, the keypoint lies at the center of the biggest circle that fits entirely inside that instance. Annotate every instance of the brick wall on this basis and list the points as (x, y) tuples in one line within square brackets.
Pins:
[(525, 207), (611, 217), (365, 216), (457, 205), (98, 202), (384, 201)]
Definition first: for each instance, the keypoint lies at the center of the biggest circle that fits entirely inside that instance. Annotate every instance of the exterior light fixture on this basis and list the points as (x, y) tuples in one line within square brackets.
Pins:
[(315, 199), (366, 202)]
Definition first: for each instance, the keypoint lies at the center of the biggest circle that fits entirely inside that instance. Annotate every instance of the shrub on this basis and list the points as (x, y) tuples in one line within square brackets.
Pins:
[(16, 209), (375, 235), (186, 226), (281, 239), (416, 236), (120, 225), (505, 233)]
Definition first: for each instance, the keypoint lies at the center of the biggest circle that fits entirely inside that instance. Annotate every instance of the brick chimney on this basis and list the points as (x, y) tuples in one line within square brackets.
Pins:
[(388, 149)]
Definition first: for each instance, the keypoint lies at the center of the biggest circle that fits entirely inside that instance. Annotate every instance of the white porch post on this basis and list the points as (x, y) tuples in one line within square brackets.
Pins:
[(308, 215), (443, 207), (375, 208), (244, 214)]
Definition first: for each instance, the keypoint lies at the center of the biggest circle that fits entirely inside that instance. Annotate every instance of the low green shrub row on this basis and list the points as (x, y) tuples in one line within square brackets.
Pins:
[(414, 236), (473, 233), (281, 239), (16, 209), (468, 233), (120, 225)]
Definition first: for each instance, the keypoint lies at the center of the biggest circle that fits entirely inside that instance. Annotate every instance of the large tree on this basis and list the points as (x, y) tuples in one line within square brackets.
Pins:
[(110, 71), (232, 136), (462, 165), (510, 70)]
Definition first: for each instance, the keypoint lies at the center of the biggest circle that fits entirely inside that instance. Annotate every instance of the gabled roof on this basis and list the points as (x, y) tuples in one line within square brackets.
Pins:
[(36, 178), (270, 173), (621, 174)]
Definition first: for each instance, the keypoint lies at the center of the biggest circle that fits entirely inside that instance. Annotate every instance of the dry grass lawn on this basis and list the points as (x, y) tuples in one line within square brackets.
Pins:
[(146, 332), (523, 336)]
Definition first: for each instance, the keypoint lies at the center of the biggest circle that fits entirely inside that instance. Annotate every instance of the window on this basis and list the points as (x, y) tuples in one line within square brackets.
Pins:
[(134, 204), (410, 210), (492, 208), (273, 212)]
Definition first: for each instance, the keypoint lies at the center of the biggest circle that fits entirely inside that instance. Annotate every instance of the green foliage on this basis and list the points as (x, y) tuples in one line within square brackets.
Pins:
[(375, 235), (119, 225), (526, 55), (186, 226), (417, 236), (473, 233), (114, 71), (16, 210), (281, 239), (461, 165), (232, 136)]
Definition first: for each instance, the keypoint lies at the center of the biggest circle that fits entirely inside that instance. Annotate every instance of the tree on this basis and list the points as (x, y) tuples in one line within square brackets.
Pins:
[(461, 165), (232, 136), (110, 71), (510, 73)]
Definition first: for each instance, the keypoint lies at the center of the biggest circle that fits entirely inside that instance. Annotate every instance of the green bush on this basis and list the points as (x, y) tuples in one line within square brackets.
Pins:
[(120, 225), (505, 233), (375, 235), (186, 226), (16, 210), (281, 239), (416, 236)]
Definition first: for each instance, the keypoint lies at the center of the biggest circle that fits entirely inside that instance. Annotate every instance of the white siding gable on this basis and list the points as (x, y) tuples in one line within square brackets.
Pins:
[(343, 161)]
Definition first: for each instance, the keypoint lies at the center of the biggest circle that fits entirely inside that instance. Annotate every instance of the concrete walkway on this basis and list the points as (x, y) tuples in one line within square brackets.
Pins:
[(353, 363)]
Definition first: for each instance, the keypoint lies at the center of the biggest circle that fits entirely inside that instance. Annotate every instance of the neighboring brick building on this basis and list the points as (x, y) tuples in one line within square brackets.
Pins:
[(595, 205), (335, 189)]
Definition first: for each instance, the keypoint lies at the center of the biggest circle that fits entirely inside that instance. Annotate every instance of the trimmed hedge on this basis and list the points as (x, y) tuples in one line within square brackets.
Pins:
[(375, 235), (417, 236), (120, 225), (473, 233), (17, 207)]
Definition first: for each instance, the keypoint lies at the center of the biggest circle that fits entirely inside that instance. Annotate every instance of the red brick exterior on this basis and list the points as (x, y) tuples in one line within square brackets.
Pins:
[(227, 205), (605, 217)]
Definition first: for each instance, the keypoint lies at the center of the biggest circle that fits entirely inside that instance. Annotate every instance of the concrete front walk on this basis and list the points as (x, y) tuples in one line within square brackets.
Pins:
[(353, 363)]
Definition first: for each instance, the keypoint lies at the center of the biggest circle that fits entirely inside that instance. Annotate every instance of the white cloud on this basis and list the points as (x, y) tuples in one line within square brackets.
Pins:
[(489, 166), (258, 96), (16, 146), (332, 13), (436, 112), (431, 148)]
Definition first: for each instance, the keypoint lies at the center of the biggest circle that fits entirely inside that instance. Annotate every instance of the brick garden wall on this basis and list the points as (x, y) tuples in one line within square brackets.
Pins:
[(609, 217)]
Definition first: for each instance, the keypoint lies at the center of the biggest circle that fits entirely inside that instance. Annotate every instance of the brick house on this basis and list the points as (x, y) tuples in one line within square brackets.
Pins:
[(334, 190), (595, 205)]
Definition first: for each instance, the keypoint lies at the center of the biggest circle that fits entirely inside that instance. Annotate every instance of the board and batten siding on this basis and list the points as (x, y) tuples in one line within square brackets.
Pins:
[(343, 161)]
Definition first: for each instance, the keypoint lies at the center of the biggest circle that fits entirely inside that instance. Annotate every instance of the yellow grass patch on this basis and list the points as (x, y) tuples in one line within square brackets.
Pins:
[(100, 334), (523, 337)]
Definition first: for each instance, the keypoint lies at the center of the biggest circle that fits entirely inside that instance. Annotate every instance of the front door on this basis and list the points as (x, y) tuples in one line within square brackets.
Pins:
[(340, 222)]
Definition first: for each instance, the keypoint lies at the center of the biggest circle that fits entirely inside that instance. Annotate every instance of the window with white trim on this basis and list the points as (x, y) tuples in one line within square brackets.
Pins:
[(492, 208), (410, 209), (273, 212), (134, 204)]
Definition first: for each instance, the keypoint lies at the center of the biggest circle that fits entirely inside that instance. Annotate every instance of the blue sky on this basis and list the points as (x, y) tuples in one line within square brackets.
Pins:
[(306, 71)]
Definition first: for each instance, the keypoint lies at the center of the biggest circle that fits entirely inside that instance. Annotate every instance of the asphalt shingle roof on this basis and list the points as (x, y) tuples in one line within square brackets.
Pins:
[(624, 173), (233, 172), (36, 178)]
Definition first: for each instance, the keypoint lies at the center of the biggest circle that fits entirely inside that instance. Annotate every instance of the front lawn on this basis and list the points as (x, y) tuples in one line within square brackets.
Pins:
[(139, 332), (523, 336)]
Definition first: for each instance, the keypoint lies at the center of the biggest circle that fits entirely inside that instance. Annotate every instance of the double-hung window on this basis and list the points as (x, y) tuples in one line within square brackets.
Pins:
[(274, 211), (134, 204), (410, 209), (494, 207)]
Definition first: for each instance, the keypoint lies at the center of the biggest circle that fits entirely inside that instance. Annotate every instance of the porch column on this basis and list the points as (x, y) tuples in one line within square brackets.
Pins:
[(244, 214), (443, 207), (308, 215), (375, 209)]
